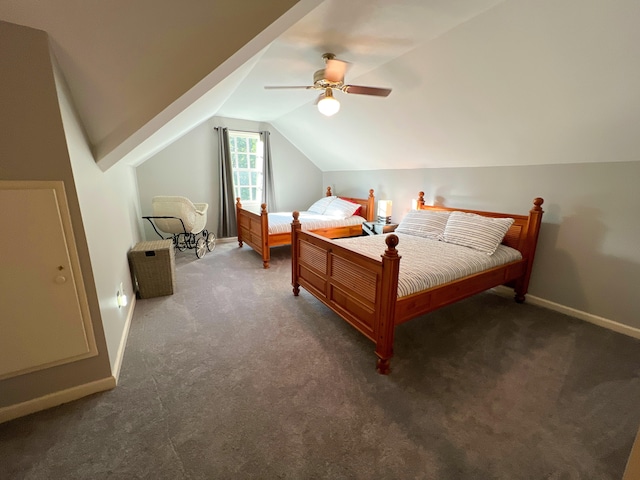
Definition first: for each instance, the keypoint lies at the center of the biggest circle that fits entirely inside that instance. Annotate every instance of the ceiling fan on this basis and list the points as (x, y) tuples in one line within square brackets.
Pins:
[(332, 78)]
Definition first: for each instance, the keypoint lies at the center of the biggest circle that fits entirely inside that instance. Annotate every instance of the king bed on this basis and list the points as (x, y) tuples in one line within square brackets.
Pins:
[(331, 217), (447, 255)]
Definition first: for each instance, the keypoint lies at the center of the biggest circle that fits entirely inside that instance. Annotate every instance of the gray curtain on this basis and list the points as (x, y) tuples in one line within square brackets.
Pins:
[(268, 192), (227, 218)]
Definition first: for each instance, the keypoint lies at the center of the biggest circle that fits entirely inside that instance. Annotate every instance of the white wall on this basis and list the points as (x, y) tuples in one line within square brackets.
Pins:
[(189, 167), (109, 207), (588, 257)]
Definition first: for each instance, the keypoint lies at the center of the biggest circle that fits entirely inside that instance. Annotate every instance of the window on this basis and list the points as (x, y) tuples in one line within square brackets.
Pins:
[(247, 163)]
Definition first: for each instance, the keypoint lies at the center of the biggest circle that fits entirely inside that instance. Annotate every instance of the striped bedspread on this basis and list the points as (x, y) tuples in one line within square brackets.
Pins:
[(428, 263), (280, 222)]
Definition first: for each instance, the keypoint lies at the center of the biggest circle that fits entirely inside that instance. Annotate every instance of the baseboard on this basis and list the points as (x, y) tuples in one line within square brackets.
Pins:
[(55, 399), (572, 312), (123, 340)]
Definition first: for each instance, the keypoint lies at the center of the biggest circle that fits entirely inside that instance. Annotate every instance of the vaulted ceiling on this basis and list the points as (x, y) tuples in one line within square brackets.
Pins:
[(474, 82)]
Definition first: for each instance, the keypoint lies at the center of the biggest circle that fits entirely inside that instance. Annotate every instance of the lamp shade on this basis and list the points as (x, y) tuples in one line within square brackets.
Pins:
[(384, 208), (328, 105), (384, 211)]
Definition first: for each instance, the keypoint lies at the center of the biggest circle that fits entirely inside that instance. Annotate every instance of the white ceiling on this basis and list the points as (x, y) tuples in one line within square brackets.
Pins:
[(366, 33), (475, 82)]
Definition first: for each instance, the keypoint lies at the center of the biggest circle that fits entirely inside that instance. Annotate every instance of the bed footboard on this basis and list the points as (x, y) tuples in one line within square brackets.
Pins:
[(253, 229), (360, 289)]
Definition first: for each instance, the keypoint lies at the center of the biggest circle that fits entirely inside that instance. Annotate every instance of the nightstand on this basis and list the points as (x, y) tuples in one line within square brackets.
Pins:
[(375, 228)]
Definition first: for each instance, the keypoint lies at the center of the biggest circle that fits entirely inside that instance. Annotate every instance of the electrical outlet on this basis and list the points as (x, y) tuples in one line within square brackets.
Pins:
[(121, 298)]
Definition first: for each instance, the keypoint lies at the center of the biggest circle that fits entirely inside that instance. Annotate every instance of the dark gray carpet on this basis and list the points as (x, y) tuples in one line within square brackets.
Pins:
[(233, 377)]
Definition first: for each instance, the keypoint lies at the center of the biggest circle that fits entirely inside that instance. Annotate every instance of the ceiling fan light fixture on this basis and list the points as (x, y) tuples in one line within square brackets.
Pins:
[(328, 105)]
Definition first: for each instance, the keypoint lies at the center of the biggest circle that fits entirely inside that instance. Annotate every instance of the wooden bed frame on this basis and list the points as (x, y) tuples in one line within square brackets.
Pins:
[(253, 228), (363, 290)]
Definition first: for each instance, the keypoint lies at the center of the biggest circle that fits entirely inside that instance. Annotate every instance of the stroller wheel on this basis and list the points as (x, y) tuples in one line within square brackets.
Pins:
[(201, 247), (211, 242)]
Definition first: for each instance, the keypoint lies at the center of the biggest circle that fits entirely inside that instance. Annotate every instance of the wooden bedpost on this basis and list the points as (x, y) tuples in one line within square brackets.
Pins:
[(384, 328), (533, 230), (264, 227), (328, 194), (371, 206), (238, 207), (295, 228), (420, 202)]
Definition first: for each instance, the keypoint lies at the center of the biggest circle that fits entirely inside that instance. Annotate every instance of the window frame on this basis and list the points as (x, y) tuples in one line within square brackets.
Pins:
[(247, 179)]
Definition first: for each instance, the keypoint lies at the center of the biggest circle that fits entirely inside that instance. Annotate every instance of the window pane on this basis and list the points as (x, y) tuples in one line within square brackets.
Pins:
[(247, 163)]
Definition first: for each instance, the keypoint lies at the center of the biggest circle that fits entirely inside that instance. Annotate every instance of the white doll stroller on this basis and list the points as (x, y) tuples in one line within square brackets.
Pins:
[(185, 221)]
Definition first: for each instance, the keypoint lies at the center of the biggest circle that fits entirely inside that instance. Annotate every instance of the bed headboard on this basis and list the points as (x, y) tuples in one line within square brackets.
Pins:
[(522, 235), (368, 211)]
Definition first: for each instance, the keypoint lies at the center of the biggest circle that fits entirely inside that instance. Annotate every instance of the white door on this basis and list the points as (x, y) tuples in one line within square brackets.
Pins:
[(44, 316)]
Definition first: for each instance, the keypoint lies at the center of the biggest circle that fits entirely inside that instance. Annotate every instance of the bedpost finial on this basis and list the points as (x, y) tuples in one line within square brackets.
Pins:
[(328, 194), (537, 202), (263, 208), (392, 242), (296, 214), (371, 193), (238, 202)]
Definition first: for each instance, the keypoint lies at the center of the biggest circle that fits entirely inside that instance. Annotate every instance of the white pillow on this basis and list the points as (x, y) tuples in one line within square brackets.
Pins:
[(340, 208), (321, 205), (424, 223), (476, 231)]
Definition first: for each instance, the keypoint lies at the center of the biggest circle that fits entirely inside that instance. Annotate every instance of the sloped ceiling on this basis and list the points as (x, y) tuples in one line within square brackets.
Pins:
[(513, 83), (475, 82)]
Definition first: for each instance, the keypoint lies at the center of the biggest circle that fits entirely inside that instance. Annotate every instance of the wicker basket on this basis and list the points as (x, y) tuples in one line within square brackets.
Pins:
[(153, 268)]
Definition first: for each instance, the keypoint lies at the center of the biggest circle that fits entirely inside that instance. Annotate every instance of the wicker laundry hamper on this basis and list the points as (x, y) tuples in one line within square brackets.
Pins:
[(153, 268)]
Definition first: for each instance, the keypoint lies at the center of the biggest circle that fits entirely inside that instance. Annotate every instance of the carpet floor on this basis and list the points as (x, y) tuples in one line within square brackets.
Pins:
[(233, 377)]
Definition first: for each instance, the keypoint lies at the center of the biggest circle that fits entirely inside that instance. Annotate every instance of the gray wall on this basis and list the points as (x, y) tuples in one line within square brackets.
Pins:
[(189, 167), (588, 257)]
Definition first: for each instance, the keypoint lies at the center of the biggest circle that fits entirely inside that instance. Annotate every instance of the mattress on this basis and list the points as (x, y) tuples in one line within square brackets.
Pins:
[(427, 263), (280, 222)]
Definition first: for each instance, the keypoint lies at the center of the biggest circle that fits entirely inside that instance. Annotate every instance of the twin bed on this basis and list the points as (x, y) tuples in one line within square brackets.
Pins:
[(263, 230), (447, 255)]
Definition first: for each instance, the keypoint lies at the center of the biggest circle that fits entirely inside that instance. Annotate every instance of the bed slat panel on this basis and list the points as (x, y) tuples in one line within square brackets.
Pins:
[(354, 278), (313, 256)]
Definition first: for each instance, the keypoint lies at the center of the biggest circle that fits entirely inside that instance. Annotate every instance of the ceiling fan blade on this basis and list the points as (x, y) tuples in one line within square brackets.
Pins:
[(334, 71), (358, 89), (292, 86)]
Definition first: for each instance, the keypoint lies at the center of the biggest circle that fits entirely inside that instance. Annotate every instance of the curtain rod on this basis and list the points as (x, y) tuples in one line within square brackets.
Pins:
[(243, 131)]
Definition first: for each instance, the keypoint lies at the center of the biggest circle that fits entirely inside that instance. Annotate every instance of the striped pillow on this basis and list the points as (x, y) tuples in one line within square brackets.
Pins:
[(321, 205), (424, 223), (340, 208), (476, 231)]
